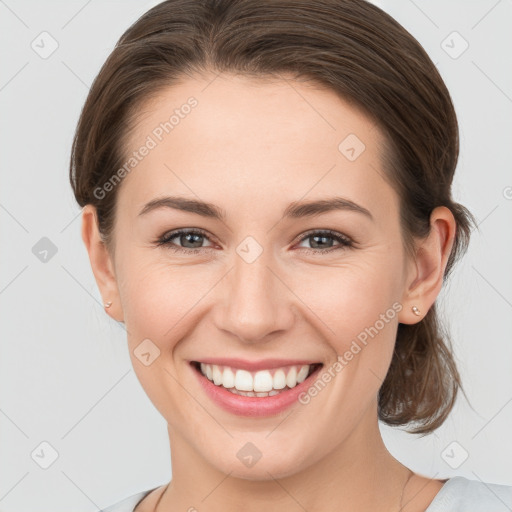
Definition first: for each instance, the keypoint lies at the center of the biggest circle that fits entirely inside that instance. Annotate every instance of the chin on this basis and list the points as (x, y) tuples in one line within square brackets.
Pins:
[(249, 460)]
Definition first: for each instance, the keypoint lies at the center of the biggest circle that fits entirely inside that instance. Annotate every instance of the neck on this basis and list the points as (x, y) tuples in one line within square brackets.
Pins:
[(358, 474)]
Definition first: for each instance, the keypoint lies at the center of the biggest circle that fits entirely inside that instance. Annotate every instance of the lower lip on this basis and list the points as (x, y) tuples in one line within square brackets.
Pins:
[(253, 406)]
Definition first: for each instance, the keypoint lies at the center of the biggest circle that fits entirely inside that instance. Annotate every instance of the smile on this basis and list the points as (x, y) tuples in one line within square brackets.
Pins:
[(265, 391), (261, 383)]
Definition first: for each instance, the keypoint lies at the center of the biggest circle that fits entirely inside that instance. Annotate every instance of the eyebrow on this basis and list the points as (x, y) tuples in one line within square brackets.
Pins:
[(297, 209)]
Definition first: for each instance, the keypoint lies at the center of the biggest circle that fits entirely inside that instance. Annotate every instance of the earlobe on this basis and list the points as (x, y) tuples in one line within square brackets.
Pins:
[(101, 262), (432, 255)]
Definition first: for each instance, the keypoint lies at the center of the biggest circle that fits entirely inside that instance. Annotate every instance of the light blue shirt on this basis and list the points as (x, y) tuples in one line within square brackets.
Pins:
[(458, 494)]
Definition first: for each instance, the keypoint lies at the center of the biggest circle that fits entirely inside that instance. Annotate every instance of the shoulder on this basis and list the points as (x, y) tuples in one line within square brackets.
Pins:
[(460, 494), (128, 504)]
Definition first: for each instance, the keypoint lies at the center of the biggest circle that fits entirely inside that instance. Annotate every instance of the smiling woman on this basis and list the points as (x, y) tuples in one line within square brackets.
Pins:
[(276, 251)]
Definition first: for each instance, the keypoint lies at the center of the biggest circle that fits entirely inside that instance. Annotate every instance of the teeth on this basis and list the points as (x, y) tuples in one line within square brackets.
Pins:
[(243, 380), (291, 378), (302, 374), (279, 379), (228, 378), (217, 375), (252, 393), (261, 383)]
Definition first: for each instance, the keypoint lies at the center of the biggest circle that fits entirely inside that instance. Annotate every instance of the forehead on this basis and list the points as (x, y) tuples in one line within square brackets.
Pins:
[(232, 138)]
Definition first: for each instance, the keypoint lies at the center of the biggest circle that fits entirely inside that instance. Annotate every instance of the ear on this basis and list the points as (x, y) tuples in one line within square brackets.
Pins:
[(101, 262), (426, 279)]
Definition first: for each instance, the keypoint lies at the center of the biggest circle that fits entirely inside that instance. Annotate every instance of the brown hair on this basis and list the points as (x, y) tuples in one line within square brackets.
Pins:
[(355, 49)]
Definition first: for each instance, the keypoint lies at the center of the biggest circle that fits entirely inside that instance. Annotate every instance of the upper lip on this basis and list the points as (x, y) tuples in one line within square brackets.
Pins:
[(262, 364)]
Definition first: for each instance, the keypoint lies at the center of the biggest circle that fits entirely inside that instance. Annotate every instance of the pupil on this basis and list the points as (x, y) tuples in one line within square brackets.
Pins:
[(189, 235), (318, 240), (322, 238)]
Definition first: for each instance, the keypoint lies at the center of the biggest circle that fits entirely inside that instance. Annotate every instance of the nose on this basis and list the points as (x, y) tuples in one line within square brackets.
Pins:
[(256, 301)]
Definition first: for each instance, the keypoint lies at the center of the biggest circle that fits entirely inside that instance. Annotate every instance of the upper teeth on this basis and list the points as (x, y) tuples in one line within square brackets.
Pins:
[(261, 381)]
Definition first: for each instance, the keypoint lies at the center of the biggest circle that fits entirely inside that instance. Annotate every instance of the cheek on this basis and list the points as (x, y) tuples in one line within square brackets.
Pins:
[(357, 305), (159, 299), (344, 299), (158, 305), (351, 296)]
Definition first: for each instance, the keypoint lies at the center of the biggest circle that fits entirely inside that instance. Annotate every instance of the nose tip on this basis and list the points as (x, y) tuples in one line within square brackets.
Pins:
[(255, 305)]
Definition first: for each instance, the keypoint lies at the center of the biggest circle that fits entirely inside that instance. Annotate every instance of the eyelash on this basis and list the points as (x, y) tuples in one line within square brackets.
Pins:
[(344, 241)]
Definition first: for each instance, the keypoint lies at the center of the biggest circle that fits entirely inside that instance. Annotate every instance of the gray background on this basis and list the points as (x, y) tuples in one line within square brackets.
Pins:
[(65, 374)]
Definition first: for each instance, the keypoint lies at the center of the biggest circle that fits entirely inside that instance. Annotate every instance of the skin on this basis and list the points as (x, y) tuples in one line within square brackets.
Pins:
[(252, 147)]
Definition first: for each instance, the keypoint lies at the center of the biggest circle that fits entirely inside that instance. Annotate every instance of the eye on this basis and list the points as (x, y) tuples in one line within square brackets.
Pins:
[(321, 241), (191, 240)]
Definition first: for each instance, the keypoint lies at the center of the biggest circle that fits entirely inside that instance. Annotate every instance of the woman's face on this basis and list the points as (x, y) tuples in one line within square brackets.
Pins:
[(258, 283)]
